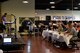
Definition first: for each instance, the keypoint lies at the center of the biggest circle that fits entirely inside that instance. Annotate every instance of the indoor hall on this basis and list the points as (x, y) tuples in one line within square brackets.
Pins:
[(38, 45), (38, 26)]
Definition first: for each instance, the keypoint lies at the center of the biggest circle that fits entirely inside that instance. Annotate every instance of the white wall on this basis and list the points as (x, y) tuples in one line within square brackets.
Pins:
[(19, 9), (42, 13)]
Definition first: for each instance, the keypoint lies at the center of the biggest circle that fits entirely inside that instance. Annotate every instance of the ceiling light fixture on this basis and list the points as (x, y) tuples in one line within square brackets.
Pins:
[(52, 2), (67, 9), (47, 9), (52, 6), (78, 3), (75, 7), (25, 1)]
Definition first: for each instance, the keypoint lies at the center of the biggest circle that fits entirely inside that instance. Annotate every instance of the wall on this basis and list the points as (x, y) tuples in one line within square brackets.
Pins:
[(0, 11), (19, 9), (42, 13)]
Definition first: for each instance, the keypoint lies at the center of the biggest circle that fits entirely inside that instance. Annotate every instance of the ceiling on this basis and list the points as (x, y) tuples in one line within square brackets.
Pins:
[(59, 4), (3, 0)]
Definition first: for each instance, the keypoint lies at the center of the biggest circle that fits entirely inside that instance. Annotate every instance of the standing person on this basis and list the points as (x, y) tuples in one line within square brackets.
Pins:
[(4, 18)]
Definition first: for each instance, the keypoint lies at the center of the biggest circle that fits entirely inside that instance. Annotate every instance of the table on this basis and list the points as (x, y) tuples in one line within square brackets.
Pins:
[(66, 38), (56, 35), (16, 44)]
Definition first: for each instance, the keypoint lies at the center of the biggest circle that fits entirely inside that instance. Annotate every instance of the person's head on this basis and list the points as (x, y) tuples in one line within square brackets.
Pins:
[(70, 25), (52, 28), (5, 13)]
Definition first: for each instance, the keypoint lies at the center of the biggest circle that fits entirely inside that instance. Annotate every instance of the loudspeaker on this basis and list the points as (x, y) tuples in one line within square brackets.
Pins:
[(48, 17)]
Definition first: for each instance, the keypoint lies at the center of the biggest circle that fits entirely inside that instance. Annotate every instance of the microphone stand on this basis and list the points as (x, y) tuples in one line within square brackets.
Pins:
[(15, 29), (15, 37)]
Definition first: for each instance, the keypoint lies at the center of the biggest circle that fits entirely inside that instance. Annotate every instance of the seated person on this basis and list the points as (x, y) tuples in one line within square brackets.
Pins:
[(78, 30), (78, 27), (52, 28), (50, 25), (64, 27), (71, 30), (41, 27), (60, 28)]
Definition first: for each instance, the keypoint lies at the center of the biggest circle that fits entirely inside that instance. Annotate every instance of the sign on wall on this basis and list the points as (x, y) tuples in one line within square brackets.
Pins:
[(56, 17), (69, 18)]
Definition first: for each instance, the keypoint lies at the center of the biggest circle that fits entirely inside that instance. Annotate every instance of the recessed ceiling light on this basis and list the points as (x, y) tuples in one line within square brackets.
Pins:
[(52, 6), (25, 1), (52, 2), (47, 9), (67, 9), (78, 3), (75, 7)]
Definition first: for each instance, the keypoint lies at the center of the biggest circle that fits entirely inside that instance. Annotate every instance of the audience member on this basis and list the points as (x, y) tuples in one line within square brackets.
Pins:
[(71, 30)]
